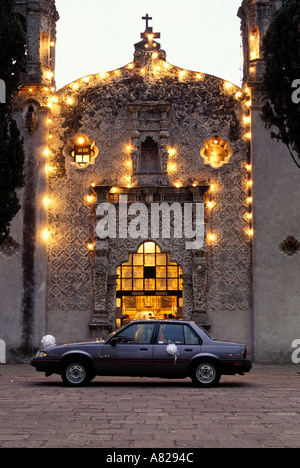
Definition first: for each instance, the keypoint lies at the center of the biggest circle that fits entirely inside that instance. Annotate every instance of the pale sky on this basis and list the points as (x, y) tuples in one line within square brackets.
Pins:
[(96, 36)]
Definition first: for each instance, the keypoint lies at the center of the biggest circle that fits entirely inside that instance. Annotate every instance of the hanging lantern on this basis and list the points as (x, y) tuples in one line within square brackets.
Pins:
[(216, 151), (82, 155), (82, 151)]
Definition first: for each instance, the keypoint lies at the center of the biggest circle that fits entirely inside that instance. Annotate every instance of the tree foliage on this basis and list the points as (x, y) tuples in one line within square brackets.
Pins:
[(12, 55), (281, 46)]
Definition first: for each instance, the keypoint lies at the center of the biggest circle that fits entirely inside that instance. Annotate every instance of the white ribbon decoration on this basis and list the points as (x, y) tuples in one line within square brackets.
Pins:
[(173, 351), (47, 341)]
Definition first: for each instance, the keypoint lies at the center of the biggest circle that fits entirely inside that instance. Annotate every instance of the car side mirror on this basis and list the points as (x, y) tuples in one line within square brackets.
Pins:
[(113, 341)]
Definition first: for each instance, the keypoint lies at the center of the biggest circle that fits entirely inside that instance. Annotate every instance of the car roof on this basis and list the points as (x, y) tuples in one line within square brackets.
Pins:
[(160, 321)]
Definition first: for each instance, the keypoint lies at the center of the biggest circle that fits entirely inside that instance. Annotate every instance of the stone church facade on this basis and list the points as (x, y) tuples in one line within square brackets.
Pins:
[(152, 191)]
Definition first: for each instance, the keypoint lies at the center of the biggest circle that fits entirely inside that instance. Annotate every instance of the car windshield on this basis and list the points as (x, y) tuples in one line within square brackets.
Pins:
[(114, 332)]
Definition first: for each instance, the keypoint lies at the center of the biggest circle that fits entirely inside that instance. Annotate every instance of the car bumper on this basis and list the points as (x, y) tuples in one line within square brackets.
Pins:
[(45, 365), (236, 366)]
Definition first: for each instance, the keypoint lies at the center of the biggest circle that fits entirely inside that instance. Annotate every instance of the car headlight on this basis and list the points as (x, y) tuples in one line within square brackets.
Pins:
[(41, 354)]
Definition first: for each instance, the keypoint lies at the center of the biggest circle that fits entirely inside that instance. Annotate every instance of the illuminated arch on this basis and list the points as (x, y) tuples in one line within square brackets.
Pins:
[(149, 285)]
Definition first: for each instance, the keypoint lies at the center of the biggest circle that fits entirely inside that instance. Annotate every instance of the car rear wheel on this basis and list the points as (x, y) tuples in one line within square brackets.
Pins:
[(206, 374), (76, 373)]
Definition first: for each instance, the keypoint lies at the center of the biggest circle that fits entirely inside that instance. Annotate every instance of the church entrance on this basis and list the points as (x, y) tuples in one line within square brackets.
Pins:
[(149, 286)]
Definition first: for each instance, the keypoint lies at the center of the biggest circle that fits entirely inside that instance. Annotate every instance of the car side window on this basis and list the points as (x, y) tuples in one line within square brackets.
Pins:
[(140, 333), (170, 333), (190, 337)]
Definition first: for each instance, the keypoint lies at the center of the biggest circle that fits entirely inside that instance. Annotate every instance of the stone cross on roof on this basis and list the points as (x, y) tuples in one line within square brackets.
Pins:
[(147, 18), (149, 31), (148, 48)]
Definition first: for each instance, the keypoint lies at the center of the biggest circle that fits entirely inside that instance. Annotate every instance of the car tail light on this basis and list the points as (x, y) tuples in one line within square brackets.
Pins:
[(245, 354)]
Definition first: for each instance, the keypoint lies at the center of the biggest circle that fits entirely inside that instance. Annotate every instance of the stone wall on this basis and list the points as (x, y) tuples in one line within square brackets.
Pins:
[(276, 271), (23, 259)]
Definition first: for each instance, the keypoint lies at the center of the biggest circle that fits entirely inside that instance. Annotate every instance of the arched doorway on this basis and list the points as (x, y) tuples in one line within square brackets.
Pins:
[(149, 285)]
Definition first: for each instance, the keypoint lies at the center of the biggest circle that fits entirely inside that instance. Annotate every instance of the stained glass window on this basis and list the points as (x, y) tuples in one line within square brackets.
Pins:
[(149, 270)]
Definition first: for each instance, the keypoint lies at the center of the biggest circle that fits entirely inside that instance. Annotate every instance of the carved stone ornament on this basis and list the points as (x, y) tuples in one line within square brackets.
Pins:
[(10, 247), (31, 120), (216, 152), (290, 246), (150, 123), (30, 115)]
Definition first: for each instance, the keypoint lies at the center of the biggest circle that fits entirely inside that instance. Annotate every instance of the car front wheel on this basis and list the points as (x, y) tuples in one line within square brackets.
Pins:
[(206, 374), (76, 373)]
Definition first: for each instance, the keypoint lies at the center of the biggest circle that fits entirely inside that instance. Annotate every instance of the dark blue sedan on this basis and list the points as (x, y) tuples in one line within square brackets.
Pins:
[(146, 348)]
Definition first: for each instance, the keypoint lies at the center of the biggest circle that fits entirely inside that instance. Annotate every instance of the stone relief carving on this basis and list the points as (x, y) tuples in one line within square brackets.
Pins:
[(9, 247), (31, 120), (31, 109), (290, 246), (149, 119)]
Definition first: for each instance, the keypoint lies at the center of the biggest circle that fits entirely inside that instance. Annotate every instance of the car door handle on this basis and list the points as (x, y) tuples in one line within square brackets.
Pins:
[(188, 349), (143, 349)]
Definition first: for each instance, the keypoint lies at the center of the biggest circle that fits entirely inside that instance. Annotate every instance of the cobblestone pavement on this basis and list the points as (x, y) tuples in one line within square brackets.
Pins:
[(260, 409)]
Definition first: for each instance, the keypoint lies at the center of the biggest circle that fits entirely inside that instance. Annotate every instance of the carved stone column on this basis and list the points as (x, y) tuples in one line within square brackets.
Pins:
[(100, 280), (101, 323), (199, 314), (187, 296), (111, 297)]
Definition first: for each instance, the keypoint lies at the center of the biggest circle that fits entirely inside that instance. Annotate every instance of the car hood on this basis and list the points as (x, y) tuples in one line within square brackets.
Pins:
[(73, 343)]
